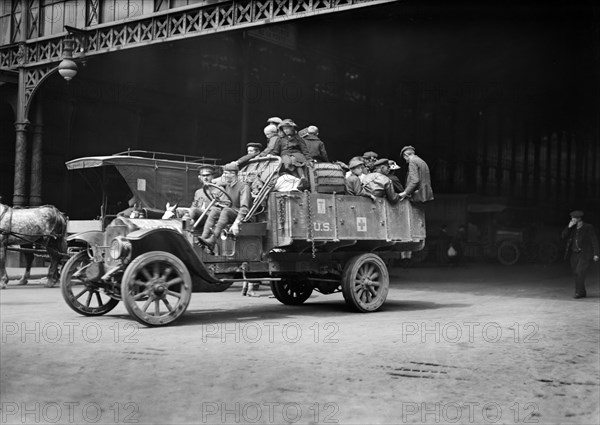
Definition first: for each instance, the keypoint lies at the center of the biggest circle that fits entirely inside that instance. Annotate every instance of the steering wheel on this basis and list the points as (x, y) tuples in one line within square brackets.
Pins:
[(213, 198)]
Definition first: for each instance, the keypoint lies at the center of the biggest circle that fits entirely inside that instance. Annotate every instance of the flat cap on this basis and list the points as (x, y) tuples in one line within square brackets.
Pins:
[(370, 154), (355, 162), (407, 148), (274, 120), (313, 129), (254, 145), (206, 169), (576, 214), (288, 122), (232, 166), (382, 161)]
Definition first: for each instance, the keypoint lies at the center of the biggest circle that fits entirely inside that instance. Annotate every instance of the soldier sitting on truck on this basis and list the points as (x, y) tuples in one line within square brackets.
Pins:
[(315, 146), (377, 184), (218, 219)]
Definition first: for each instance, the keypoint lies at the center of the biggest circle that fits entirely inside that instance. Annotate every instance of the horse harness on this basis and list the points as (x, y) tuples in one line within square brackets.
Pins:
[(24, 236)]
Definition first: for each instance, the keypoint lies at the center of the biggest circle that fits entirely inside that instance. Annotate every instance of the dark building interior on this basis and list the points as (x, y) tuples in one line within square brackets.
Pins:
[(501, 99)]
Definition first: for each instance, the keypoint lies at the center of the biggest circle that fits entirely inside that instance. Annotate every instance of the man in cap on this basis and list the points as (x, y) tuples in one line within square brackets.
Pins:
[(355, 176), (290, 147), (201, 201), (582, 247), (418, 179), (377, 184), (239, 192), (369, 159), (315, 146), (252, 149)]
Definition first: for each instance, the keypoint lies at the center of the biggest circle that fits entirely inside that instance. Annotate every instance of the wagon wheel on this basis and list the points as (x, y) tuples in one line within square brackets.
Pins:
[(156, 288), (548, 252), (365, 282), (508, 253), (81, 294), (292, 291)]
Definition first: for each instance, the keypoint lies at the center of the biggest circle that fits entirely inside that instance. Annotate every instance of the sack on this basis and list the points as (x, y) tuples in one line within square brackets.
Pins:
[(452, 252)]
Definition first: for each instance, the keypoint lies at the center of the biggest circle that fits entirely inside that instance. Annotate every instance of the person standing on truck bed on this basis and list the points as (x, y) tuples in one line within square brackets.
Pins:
[(377, 184), (418, 179), (239, 191)]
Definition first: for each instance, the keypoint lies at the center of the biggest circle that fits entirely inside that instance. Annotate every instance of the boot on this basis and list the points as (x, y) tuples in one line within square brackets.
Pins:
[(244, 288)]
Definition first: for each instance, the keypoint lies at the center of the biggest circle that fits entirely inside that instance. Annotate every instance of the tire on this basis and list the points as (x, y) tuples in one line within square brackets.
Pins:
[(508, 253), (97, 302), (156, 278), (365, 283), (291, 291)]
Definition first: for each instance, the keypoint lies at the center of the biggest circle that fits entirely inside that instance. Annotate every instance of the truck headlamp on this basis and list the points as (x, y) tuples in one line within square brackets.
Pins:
[(119, 248)]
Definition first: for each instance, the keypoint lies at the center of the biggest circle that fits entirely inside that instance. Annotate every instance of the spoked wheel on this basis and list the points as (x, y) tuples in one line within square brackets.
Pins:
[(508, 253), (291, 291), (81, 293), (156, 288), (365, 282)]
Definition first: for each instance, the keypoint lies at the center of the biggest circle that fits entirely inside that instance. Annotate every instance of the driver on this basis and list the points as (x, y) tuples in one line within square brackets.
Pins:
[(238, 193)]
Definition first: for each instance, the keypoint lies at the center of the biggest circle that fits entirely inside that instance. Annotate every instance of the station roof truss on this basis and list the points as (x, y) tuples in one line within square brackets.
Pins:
[(170, 25)]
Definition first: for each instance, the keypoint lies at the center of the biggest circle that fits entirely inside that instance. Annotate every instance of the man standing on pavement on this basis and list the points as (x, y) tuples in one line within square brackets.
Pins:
[(418, 179), (239, 192), (582, 246)]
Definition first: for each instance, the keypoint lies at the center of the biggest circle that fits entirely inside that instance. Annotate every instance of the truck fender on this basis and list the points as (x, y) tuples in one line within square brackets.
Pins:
[(170, 240), (92, 237)]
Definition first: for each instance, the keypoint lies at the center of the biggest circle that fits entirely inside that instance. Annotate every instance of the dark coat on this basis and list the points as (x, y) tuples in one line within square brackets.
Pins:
[(581, 240), (418, 180), (316, 148)]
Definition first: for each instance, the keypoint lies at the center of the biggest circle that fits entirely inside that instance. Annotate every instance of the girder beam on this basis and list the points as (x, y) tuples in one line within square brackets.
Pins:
[(170, 25)]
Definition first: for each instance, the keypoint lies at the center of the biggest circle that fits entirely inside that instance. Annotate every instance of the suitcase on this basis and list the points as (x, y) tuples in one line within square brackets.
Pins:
[(326, 178)]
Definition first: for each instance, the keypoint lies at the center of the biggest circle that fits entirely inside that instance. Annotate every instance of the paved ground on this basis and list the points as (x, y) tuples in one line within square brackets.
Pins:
[(481, 344)]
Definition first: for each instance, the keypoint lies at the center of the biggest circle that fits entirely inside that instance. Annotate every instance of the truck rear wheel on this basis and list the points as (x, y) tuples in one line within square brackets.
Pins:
[(156, 288), (365, 282), (291, 291)]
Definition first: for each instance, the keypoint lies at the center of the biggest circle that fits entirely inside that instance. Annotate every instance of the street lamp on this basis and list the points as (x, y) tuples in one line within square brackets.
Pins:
[(67, 67)]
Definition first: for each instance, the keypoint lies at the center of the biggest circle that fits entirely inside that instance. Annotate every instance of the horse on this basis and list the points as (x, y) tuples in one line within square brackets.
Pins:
[(44, 225)]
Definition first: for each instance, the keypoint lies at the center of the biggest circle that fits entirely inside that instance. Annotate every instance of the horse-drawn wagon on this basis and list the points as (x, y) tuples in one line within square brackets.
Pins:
[(299, 242)]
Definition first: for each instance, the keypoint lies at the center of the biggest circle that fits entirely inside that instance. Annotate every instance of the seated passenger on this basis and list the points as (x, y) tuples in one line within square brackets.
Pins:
[(201, 201), (369, 158), (355, 176), (377, 184), (252, 149), (291, 148), (315, 146), (218, 219), (386, 170)]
